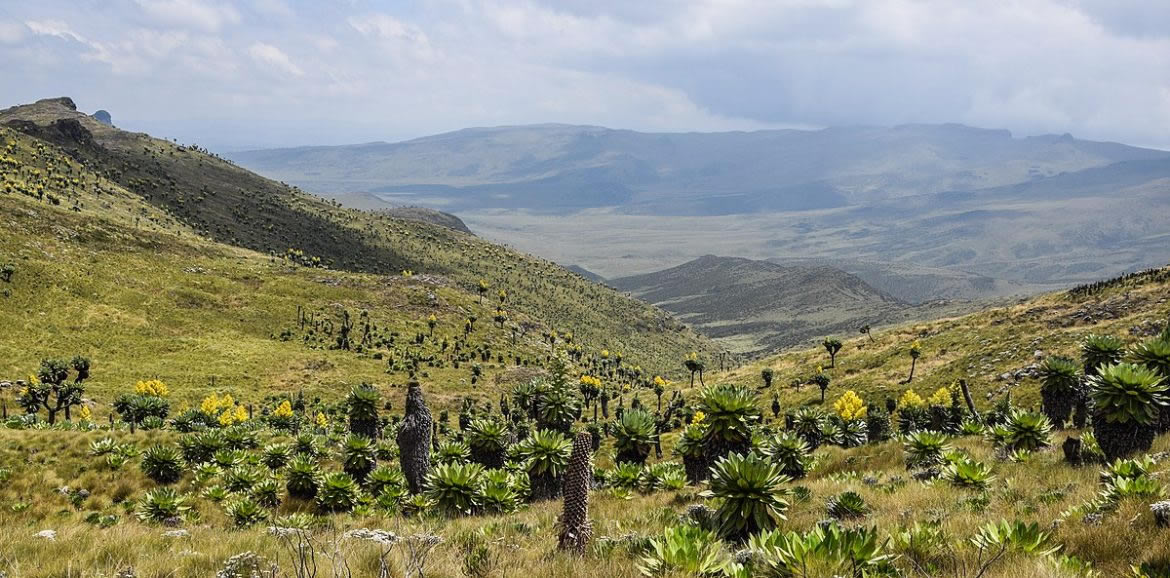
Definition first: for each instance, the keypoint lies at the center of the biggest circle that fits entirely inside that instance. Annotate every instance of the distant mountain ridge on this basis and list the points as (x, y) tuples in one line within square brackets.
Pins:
[(562, 168), (753, 306)]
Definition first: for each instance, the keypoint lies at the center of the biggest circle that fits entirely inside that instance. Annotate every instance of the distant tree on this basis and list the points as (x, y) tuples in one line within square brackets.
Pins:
[(822, 380), (51, 389), (915, 353), (482, 289), (767, 374), (832, 345), (866, 331), (694, 365)]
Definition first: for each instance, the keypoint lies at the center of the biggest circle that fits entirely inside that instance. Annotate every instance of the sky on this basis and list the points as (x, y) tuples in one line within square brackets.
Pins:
[(237, 74)]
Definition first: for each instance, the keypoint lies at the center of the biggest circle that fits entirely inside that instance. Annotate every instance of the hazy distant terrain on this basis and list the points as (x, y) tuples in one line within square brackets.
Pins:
[(562, 168), (920, 212), (757, 306)]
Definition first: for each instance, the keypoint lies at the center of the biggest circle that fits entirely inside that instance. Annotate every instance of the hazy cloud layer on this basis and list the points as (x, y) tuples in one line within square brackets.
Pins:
[(271, 72)]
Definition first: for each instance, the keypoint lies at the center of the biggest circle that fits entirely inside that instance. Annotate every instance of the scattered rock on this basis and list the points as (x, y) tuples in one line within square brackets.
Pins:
[(50, 535), (176, 534)]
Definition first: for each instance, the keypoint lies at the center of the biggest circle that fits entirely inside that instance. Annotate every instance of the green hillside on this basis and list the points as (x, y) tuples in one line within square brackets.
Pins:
[(224, 203)]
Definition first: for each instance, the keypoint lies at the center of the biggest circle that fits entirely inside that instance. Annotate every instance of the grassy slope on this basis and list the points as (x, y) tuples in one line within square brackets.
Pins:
[(234, 206), (979, 347)]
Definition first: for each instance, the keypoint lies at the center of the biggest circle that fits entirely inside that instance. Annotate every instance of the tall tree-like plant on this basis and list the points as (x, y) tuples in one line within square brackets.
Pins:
[(694, 365), (866, 331), (1059, 391), (692, 449), (730, 412), (52, 389), (832, 345), (915, 353), (1127, 400), (488, 440), (634, 435), (575, 529), (767, 374), (1098, 350), (361, 406), (1155, 355), (414, 439)]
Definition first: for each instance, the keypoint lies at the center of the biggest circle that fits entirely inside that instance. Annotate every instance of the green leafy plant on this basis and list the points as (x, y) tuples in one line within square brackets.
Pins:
[(163, 504), (1098, 350), (546, 454), (246, 512), (1027, 431), (750, 492), (302, 478), (1127, 399), (685, 550), (968, 473), (731, 413), (847, 506), (634, 436), (456, 488), (488, 440), (338, 492), (1059, 389), (358, 457), (925, 449), (163, 464)]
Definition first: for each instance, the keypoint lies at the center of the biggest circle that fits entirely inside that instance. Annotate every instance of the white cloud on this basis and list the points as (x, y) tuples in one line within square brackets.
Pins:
[(270, 56), (1095, 68), (191, 14)]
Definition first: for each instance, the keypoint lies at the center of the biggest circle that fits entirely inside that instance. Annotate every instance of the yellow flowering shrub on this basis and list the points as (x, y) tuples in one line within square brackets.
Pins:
[(225, 418), (590, 380), (941, 397), (283, 410), (152, 388), (658, 380), (911, 399), (850, 406), (214, 405), (698, 417), (84, 414), (321, 420)]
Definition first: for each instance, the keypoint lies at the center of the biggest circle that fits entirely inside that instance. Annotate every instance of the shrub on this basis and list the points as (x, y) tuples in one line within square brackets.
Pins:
[(384, 478), (241, 479), (302, 479), (162, 504), (1027, 431), (690, 447), (488, 441), (686, 551), (790, 452), (452, 452), (1099, 350), (750, 492), (362, 409), (456, 488), (847, 506), (201, 446), (968, 473), (266, 492), (1059, 391), (275, 456), (925, 449), (338, 492), (246, 512), (625, 475), (163, 464)]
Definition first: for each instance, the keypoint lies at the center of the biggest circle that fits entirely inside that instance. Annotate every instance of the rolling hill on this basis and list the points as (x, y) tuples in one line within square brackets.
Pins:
[(74, 164), (753, 306)]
